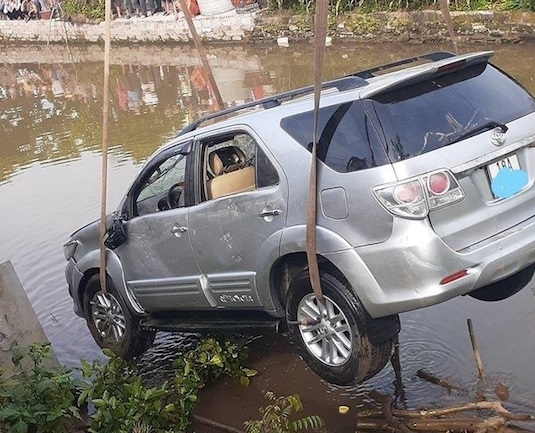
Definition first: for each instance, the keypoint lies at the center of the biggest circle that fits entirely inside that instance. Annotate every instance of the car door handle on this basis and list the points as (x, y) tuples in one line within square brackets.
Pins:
[(267, 212), (177, 229)]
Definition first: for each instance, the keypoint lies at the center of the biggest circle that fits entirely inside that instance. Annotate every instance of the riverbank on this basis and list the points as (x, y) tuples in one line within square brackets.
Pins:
[(417, 27)]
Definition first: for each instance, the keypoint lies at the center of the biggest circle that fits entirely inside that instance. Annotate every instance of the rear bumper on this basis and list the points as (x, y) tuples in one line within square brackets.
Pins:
[(73, 277), (405, 272)]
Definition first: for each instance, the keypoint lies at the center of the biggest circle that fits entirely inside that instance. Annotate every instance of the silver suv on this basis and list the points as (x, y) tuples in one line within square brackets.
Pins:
[(425, 192)]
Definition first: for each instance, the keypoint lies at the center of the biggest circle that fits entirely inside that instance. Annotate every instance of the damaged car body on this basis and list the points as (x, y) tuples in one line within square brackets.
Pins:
[(425, 192)]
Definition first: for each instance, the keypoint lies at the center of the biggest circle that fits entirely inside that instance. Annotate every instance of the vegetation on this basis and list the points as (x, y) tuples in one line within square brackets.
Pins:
[(39, 399), (276, 417)]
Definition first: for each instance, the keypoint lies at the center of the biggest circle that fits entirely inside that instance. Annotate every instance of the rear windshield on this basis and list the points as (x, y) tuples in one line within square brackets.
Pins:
[(435, 113)]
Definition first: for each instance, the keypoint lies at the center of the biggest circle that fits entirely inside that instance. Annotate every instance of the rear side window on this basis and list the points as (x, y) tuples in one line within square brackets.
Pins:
[(347, 140), (435, 113)]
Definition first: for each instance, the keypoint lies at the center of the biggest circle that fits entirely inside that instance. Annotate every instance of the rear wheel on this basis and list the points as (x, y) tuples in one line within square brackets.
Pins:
[(111, 323), (338, 339), (505, 288)]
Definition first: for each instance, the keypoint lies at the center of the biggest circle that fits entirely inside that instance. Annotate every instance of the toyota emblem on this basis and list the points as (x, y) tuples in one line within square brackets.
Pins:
[(498, 137)]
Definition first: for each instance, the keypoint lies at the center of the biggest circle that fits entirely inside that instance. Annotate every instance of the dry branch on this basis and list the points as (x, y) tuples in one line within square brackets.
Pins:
[(425, 375)]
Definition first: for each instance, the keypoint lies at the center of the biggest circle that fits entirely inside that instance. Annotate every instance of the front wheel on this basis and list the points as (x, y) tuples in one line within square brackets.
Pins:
[(111, 323), (338, 339)]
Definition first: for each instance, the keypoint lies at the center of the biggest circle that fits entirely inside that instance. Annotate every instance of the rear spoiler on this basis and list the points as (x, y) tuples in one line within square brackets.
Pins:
[(423, 72)]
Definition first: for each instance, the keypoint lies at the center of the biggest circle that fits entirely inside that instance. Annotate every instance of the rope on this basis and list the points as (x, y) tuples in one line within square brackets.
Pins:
[(319, 51), (105, 111)]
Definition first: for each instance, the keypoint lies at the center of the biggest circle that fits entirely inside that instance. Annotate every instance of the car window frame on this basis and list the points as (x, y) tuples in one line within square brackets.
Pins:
[(200, 146), (185, 148)]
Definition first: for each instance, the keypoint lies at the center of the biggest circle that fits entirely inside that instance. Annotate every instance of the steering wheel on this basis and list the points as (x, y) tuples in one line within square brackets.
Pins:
[(174, 193)]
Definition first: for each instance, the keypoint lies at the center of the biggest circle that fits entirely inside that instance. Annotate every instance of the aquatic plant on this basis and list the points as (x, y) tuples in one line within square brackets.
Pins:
[(276, 416)]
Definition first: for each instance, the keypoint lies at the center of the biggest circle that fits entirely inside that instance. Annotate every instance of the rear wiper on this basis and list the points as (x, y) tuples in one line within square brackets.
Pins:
[(483, 127)]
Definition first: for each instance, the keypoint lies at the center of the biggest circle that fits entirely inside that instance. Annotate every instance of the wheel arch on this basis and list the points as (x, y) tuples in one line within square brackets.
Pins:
[(90, 266), (334, 254)]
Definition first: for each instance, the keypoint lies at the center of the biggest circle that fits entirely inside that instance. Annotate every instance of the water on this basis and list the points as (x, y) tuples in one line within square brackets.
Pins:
[(50, 124)]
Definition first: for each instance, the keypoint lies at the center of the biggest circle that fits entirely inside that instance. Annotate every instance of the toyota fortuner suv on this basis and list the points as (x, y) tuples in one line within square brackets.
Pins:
[(425, 192)]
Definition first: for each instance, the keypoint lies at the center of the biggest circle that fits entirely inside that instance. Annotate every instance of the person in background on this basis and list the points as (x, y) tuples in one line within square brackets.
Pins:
[(193, 7), (31, 9), (146, 5), (13, 9)]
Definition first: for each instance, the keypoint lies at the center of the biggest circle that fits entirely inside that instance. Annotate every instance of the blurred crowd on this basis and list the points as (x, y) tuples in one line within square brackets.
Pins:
[(22, 9), (144, 8)]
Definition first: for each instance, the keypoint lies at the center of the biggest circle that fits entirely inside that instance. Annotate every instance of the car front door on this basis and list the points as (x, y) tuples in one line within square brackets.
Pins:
[(157, 258), (237, 225)]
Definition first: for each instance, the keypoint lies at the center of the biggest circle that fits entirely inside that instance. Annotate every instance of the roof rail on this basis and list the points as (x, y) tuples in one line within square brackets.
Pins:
[(344, 83), (433, 57)]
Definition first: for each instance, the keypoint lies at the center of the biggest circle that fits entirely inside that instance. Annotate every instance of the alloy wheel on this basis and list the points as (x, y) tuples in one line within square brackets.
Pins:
[(108, 317), (327, 333)]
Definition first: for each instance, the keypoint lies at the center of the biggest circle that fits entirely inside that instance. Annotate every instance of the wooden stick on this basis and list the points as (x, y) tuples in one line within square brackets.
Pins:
[(479, 363), (425, 375), (215, 424), (399, 390), (386, 404), (495, 406), (426, 425)]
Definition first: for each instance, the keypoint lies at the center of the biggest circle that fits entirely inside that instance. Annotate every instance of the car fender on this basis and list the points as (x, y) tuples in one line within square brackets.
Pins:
[(268, 254), (114, 269), (341, 254)]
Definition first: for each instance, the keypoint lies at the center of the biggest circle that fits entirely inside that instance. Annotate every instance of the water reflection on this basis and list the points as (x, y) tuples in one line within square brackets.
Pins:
[(50, 119)]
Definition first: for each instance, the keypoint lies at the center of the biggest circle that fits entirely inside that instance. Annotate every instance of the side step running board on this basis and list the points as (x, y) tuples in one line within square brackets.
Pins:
[(211, 323)]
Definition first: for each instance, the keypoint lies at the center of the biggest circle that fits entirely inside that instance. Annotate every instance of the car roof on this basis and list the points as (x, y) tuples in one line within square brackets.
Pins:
[(360, 85)]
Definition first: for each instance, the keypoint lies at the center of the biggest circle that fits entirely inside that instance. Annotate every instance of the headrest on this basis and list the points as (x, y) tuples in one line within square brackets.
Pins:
[(226, 159), (216, 165)]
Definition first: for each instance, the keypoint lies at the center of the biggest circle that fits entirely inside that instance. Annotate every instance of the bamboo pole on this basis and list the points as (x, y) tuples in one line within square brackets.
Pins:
[(449, 23), (105, 113), (202, 54)]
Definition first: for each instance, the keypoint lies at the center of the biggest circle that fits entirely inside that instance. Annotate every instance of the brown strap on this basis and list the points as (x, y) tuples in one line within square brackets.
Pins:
[(202, 54), (105, 111), (319, 51), (449, 24)]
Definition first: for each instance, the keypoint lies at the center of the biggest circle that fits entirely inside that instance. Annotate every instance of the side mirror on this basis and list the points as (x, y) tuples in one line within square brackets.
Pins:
[(115, 234)]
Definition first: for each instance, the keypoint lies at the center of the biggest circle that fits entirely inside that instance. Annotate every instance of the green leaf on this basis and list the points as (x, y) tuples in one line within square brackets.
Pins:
[(244, 381), (249, 372), (19, 427), (7, 413)]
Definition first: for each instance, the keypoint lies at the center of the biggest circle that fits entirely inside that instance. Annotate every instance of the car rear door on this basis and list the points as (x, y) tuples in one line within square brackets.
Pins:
[(237, 235)]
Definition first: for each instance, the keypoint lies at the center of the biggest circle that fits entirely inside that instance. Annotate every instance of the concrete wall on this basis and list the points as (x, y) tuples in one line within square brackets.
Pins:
[(18, 323), (158, 28), (412, 27)]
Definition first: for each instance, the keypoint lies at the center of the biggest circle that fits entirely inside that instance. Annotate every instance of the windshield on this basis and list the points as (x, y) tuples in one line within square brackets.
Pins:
[(438, 112)]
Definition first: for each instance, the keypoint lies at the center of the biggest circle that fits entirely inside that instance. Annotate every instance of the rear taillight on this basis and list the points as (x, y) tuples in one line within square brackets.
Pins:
[(415, 197)]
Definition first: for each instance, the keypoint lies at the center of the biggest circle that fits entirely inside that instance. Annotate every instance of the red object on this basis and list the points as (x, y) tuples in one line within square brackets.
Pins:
[(193, 8)]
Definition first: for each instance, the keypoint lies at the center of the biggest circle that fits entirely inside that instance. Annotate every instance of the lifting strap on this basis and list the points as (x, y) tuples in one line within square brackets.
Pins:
[(322, 11), (449, 24), (105, 111), (202, 54)]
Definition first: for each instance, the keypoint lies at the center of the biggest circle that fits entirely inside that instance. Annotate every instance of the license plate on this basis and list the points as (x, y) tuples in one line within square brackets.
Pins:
[(510, 162), (506, 178)]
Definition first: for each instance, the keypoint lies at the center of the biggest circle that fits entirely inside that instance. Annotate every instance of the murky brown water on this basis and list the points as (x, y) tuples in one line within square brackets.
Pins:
[(50, 126)]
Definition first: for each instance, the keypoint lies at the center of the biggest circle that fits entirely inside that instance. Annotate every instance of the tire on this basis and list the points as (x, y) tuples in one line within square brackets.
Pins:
[(347, 351), (111, 323), (505, 288)]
